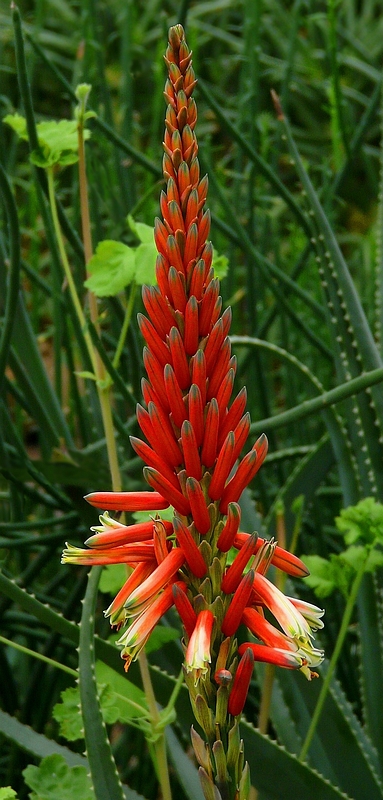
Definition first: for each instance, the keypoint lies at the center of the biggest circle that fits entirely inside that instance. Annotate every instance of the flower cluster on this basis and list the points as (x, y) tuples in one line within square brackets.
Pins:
[(194, 436)]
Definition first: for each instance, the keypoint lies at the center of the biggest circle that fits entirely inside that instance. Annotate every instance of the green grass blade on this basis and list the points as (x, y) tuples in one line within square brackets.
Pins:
[(14, 272), (105, 779)]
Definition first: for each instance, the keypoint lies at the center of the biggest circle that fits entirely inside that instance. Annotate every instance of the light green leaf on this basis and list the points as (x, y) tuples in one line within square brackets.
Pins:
[(145, 233), (164, 513), (7, 793), (18, 123), (119, 699), (145, 265), (54, 780), (112, 267), (68, 715), (220, 265), (364, 522), (122, 696), (161, 636), (58, 140), (328, 575), (113, 576)]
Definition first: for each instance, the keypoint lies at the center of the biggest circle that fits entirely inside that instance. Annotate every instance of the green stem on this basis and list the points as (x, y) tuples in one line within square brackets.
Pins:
[(35, 654), (334, 659), (125, 326), (67, 270), (160, 745)]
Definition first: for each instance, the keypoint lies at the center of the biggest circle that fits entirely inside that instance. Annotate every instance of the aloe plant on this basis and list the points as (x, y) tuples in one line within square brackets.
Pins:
[(295, 192)]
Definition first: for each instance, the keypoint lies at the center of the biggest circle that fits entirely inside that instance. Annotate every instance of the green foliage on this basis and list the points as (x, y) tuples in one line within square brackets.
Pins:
[(54, 780), (58, 141), (7, 793), (111, 268), (120, 701), (361, 523)]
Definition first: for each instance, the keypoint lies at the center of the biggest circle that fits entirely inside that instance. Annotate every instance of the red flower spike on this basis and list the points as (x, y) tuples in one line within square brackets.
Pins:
[(241, 433), (223, 677), (196, 413), (204, 228), (197, 281), (225, 391), (233, 575), (160, 541), (213, 345), (164, 436), (177, 288), (172, 192), (183, 177), (122, 534), (160, 236), (192, 210), (233, 616), (175, 215), (198, 368), (127, 501), (179, 360), (155, 374), (191, 244), (193, 556), (209, 448), (241, 683), (227, 536), (216, 310), (190, 450), (152, 459), (162, 275), (245, 473), (158, 579), (220, 369), (148, 298), (271, 655), (266, 632), (126, 554), (191, 337), (138, 633), (223, 467), (174, 496), (141, 572), (198, 506), (233, 416), (207, 306), (282, 559), (185, 609), (174, 395)]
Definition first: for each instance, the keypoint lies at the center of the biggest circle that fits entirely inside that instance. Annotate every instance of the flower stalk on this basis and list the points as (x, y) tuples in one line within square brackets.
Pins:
[(195, 433)]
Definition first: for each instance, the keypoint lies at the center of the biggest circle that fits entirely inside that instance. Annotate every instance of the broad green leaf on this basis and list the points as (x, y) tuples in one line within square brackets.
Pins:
[(145, 264), (281, 774), (58, 140), (364, 521), (126, 696), (7, 793), (54, 780), (164, 513), (113, 576), (160, 636), (68, 714), (220, 265), (328, 575), (112, 267), (145, 233), (18, 123)]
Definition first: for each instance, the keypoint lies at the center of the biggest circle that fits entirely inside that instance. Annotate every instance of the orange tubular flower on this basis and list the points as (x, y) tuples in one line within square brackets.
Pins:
[(194, 433)]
